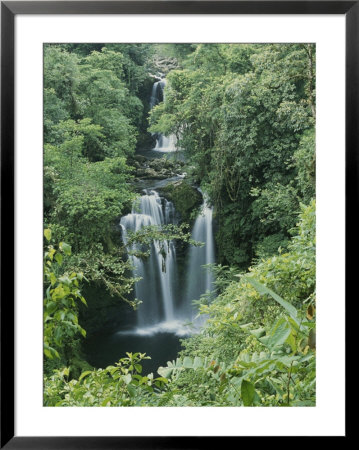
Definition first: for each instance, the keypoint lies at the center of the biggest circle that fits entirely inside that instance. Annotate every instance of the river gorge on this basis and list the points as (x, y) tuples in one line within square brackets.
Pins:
[(173, 276)]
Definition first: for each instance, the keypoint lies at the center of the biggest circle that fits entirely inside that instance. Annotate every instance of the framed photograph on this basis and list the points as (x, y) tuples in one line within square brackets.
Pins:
[(175, 185)]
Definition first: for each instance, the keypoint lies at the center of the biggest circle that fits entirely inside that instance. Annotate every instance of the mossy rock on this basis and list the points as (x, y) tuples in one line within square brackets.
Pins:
[(186, 198)]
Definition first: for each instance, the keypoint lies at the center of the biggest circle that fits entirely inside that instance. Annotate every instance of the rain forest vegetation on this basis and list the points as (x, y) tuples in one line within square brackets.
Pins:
[(244, 119), (245, 116)]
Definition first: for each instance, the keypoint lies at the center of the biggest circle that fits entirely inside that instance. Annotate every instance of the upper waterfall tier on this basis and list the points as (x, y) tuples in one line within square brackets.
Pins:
[(165, 144), (157, 94)]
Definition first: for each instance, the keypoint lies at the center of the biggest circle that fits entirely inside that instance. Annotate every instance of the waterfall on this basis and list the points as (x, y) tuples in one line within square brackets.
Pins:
[(165, 144), (158, 273), (166, 305), (200, 279), (157, 93)]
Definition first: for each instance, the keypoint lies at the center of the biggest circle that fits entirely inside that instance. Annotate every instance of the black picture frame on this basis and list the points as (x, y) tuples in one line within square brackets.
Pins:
[(9, 9)]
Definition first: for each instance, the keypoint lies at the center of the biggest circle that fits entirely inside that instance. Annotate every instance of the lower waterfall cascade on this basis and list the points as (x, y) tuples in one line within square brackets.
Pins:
[(157, 285), (164, 306)]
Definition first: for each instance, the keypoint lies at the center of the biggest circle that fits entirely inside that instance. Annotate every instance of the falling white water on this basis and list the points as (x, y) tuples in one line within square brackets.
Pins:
[(157, 93), (177, 327), (200, 279), (158, 273), (167, 306), (164, 144)]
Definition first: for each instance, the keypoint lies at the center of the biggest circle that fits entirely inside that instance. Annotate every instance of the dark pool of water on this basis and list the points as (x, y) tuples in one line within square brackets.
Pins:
[(105, 349)]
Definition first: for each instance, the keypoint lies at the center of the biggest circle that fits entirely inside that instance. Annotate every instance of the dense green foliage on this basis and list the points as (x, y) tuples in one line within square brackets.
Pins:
[(244, 116), (90, 125), (258, 348), (119, 385), (60, 308), (95, 107), (253, 334)]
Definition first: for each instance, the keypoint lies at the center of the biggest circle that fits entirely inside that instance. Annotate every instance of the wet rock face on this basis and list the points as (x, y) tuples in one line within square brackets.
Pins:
[(185, 197), (139, 158), (147, 173), (154, 169), (167, 177)]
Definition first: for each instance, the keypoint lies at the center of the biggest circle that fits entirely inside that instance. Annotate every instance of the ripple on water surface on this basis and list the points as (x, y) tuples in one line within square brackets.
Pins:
[(161, 342)]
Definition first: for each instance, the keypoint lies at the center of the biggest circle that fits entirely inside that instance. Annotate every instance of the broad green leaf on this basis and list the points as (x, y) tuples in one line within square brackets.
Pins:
[(280, 333), (48, 353), (51, 307), (265, 340), (294, 324), (245, 326), (256, 399), (276, 385), (187, 362), (165, 372), (50, 254), (162, 379), (247, 393), (131, 389), (292, 342), (53, 279), (66, 248), (84, 374), (307, 357), (178, 363), (47, 234), (58, 292), (265, 290), (58, 258), (198, 362), (258, 333), (308, 324)]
